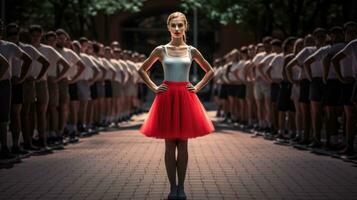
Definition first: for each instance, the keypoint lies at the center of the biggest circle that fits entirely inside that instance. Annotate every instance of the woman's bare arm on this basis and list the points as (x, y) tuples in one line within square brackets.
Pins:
[(147, 64), (197, 56)]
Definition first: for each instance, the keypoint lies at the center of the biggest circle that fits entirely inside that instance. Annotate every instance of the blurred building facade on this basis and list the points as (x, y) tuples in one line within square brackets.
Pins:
[(146, 29)]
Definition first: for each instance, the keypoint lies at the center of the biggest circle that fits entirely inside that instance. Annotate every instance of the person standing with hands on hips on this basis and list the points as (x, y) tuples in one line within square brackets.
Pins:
[(176, 113)]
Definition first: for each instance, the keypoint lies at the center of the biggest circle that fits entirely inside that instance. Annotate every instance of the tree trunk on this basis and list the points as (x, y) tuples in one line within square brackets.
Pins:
[(268, 18), (93, 27), (58, 9), (349, 10)]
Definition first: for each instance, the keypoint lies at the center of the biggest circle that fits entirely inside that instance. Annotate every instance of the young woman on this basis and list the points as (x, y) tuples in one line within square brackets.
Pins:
[(176, 113)]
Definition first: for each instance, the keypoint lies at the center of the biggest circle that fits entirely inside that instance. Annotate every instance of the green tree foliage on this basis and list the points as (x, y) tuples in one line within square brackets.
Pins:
[(261, 17), (289, 17), (76, 16), (112, 6)]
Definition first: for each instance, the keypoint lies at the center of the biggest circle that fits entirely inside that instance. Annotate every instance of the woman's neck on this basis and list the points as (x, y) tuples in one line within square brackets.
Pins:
[(177, 42)]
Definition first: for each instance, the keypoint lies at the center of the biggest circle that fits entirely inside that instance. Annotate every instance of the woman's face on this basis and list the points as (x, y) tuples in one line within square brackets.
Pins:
[(177, 27)]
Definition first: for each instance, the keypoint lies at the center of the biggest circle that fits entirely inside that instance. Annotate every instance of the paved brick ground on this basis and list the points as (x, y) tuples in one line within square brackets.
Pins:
[(224, 165)]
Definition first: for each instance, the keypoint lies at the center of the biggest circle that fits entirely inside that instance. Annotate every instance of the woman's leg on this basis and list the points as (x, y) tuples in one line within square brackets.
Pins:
[(170, 161), (182, 160)]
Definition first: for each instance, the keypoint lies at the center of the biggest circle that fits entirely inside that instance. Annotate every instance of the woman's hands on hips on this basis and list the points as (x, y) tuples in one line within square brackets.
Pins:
[(161, 88), (191, 88)]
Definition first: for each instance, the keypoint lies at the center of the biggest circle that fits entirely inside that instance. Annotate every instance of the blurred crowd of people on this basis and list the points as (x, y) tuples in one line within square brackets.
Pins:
[(300, 91), (54, 90)]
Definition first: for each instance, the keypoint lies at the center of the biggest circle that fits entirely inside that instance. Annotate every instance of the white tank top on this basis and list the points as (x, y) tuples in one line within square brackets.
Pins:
[(177, 68)]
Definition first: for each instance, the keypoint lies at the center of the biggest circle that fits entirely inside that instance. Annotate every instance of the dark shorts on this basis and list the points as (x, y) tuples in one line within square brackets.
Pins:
[(73, 92), (53, 92), (347, 91), (42, 95), (317, 89), (216, 91), (231, 90), (333, 91), (5, 101), (16, 94), (219, 87), (63, 92), (241, 91), (304, 91), (108, 89), (284, 101), (142, 91), (29, 91), (93, 91), (223, 94), (116, 89), (354, 94), (83, 90), (274, 92), (100, 88)]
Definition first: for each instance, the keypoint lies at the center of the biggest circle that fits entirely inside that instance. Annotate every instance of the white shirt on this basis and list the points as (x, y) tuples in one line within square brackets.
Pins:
[(242, 69), (296, 72), (217, 77), (98, 63), (301, 57), (118, 71), (335, 48), (256, 60), (319, 55), (137, 77), (140, 80), (88, 71), (224, 73), (277, 64), (10, 51), (34, 54), (232, 73), (133, 70), (125, 70), (72, 58), (266, 61), (110, 70), (53, 57), (350, 51)]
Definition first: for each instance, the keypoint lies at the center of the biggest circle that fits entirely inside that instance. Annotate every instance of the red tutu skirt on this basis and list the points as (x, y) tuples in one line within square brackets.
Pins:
[(176, 113)]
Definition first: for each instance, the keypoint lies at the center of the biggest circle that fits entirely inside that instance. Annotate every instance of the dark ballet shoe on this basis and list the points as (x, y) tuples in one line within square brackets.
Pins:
[(181, 193), (173, 194)]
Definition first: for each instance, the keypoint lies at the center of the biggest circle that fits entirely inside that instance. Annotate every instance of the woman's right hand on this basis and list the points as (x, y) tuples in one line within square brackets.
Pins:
[(161, 88)]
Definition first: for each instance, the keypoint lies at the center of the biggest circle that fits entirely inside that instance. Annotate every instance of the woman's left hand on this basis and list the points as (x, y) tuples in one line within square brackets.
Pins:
[(191, 88)]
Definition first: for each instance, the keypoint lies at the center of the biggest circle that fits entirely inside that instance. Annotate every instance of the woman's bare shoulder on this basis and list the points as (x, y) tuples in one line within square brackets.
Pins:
[(159, 49), (195, 52)]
